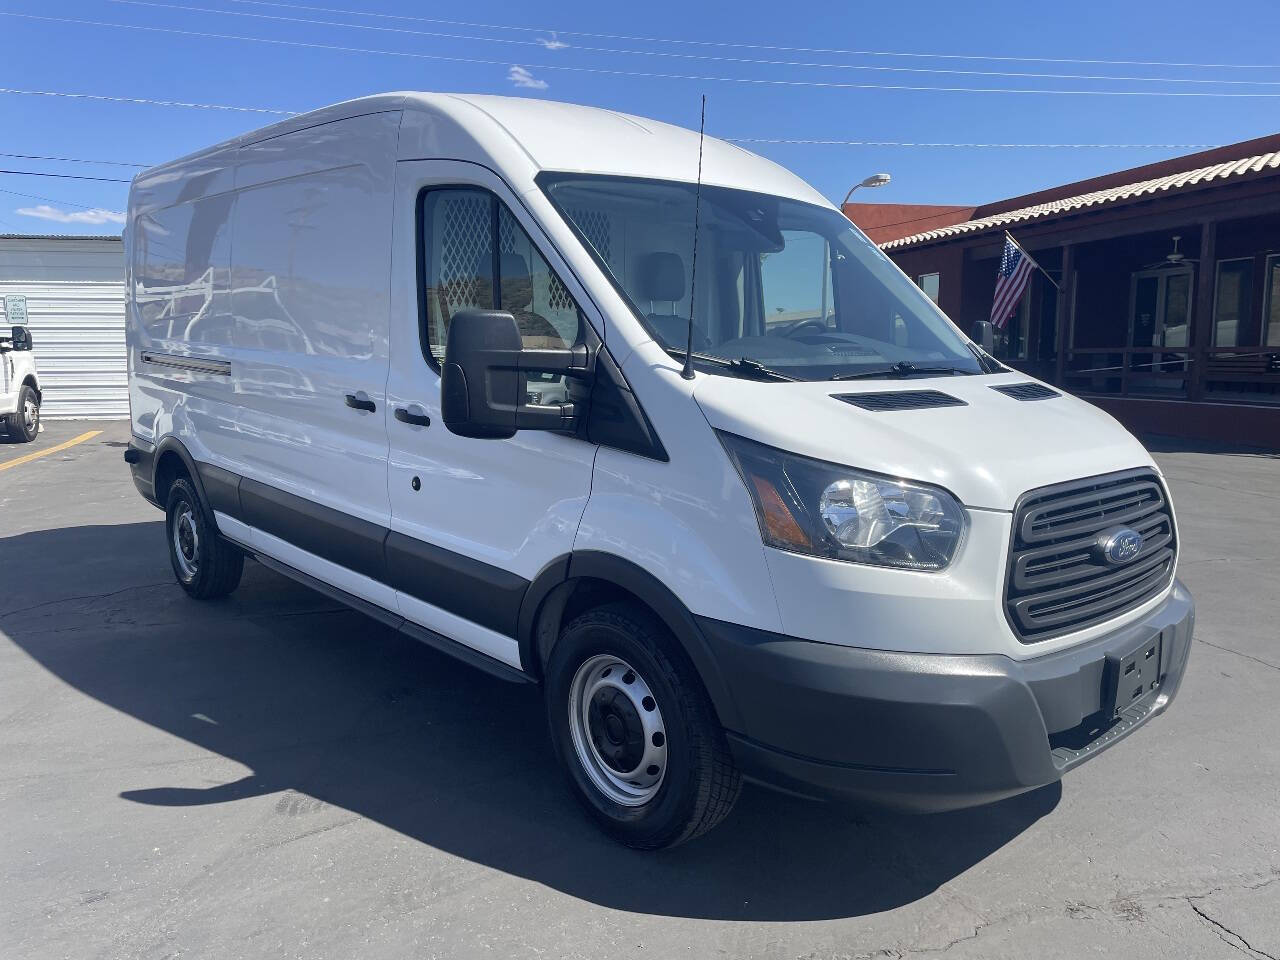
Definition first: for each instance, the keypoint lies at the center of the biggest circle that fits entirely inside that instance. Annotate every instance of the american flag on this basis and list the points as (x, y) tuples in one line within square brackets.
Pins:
[(1011, 282)]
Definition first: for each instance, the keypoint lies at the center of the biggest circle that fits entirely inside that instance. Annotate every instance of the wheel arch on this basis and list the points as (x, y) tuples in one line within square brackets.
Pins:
[(588, 578), (30, 381), (172, 459)]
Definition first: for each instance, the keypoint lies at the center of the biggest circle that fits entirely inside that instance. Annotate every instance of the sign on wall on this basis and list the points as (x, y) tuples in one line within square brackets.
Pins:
[(15, 310)]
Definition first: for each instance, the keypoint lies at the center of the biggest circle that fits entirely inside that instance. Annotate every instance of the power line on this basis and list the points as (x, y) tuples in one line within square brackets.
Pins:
[(762, 46), (1027, 146), (599, 71), (37, 156), (613, 51), (142, 100), (62, 176), (769, 140), (34, 196)]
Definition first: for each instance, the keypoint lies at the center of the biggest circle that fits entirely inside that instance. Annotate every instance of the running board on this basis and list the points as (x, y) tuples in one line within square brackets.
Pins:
[(480, 661)]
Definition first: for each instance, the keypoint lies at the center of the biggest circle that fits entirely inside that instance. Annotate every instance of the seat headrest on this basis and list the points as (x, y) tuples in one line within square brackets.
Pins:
[(661, 276), (512, 265)]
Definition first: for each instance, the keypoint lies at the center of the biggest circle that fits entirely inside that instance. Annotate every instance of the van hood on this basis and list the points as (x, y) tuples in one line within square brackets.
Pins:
[(987, 450)]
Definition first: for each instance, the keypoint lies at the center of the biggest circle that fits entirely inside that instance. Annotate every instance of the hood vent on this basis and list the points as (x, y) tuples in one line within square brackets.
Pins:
[(1027, 391), (900, 400)]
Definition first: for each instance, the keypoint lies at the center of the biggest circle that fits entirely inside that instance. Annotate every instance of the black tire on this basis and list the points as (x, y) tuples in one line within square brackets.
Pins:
[(699, 784), (206, 566), (21, 427)]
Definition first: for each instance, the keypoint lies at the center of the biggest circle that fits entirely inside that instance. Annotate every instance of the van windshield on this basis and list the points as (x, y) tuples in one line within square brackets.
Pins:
[(791, 286)]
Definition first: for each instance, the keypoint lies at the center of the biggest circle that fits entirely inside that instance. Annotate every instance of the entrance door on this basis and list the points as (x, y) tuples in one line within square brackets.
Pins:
[(473, 521), (1159, 316)]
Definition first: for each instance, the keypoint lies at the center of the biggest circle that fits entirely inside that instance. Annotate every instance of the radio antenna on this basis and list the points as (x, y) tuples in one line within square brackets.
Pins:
[(687, 372)]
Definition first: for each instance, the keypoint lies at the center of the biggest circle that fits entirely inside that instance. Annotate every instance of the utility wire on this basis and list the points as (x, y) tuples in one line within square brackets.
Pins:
[(758, 46), (62, 176), (37, 156), (639, 73), (613, 51), (143, 100), (34, 196), (1026, 146), (769, 140)]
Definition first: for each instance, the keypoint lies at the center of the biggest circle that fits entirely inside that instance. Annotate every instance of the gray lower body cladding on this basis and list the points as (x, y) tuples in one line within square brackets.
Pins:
[(930, 731)]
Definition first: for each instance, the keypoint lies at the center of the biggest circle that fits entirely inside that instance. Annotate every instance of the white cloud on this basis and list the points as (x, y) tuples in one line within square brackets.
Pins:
[(523, 78), (96, 215), (553, 42)]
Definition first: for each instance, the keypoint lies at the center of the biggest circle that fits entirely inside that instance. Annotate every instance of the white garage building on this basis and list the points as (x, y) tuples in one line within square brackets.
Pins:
[(74, 288)]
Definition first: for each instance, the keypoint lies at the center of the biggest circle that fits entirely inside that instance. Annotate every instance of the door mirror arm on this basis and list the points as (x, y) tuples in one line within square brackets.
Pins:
[(484, 379), (19, 339)]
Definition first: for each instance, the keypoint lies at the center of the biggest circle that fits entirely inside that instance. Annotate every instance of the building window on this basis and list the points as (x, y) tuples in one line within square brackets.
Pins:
[(930, 284), (1271, 319), (1011, 339), (1232, 301)]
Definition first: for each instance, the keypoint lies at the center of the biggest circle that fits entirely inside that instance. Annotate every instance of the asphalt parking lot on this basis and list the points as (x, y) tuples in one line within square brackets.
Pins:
[(273, 776)]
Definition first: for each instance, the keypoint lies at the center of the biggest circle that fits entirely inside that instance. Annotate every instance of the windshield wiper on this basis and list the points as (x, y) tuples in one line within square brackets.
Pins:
[(743, 365), (903, 368)]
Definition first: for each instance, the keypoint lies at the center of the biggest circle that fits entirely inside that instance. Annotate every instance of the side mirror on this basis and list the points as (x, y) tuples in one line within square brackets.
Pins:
[(484, 390), (984, 335), (21, 338)]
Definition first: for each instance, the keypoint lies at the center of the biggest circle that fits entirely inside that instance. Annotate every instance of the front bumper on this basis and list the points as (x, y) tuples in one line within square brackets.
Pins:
[(931, 731)]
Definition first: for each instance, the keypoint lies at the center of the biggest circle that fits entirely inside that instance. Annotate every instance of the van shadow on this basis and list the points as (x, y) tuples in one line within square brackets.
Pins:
[(328, 703)]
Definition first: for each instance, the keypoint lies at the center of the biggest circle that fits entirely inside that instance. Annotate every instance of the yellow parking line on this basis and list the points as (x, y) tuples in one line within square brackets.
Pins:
[(6, 464)]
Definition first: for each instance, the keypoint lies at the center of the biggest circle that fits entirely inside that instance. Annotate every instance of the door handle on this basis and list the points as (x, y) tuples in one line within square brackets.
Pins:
[(360, 401), (411, 415)]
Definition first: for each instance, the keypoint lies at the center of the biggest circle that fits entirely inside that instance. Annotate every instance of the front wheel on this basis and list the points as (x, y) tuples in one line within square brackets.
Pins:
[(23, 425), (207, 566), (635, 730)]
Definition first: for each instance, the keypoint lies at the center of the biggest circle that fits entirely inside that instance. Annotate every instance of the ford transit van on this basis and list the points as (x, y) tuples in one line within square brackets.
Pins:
[(426, 353)]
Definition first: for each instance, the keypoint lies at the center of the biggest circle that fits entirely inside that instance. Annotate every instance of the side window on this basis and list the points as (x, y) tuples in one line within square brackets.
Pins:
[(476, 256)]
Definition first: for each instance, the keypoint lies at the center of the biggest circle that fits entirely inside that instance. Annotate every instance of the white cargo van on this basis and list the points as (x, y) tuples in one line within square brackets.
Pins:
[(19, 386), (426, 353)]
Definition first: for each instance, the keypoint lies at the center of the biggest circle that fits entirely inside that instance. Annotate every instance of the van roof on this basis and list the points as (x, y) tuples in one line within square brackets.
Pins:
[(524, 136)]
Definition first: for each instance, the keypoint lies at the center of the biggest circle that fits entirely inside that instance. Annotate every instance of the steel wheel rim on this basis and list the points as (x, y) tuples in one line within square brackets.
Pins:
[(186, 542), (30, 415), (617, 730)]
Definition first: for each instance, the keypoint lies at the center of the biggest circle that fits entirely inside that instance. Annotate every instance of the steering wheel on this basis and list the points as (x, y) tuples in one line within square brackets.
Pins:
[(819, 326)]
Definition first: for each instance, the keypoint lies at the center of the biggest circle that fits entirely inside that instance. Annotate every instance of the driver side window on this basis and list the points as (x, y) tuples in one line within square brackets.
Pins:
[(474, 255)]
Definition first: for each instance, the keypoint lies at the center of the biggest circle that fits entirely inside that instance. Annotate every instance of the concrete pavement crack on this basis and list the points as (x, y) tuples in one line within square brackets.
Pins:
[(92, 596), (1098, 912), (1247, 656), (1227, 935)]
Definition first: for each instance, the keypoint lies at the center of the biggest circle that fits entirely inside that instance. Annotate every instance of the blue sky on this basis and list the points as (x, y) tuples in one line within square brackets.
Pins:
[(193, 66)]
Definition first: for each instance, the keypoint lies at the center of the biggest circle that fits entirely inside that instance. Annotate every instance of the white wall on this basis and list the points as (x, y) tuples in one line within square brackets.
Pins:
[(75, 309)]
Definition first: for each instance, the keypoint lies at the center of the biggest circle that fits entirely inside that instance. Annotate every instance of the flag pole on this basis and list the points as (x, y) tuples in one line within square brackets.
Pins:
[(1045, 272)]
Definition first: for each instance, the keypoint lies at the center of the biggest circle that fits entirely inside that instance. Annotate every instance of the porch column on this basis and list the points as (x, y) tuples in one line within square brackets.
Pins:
[(1063, 313), (1202, 318)]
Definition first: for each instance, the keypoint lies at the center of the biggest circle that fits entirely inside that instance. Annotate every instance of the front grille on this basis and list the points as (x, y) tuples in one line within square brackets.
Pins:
[(900, 400), (1059, 580)]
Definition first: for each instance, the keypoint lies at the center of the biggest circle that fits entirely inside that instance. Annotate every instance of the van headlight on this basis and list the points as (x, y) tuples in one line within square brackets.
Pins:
[(825, 510)]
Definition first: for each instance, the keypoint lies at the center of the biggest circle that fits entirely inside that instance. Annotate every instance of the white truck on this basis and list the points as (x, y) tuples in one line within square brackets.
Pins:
[(19, 386), (684, 448)]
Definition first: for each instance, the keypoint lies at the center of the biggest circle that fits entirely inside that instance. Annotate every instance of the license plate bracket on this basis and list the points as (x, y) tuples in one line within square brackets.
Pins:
[(1133, 676)]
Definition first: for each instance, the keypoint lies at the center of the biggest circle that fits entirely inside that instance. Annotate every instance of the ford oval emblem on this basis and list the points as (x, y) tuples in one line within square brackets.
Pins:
[(1120, 545)]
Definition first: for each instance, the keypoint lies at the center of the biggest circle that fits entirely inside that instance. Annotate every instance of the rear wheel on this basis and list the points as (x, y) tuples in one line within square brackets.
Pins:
[(207, 566), (635, 731), (23, 425)]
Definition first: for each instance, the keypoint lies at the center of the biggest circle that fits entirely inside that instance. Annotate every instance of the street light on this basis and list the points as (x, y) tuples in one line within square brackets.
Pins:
[(875, 180)]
